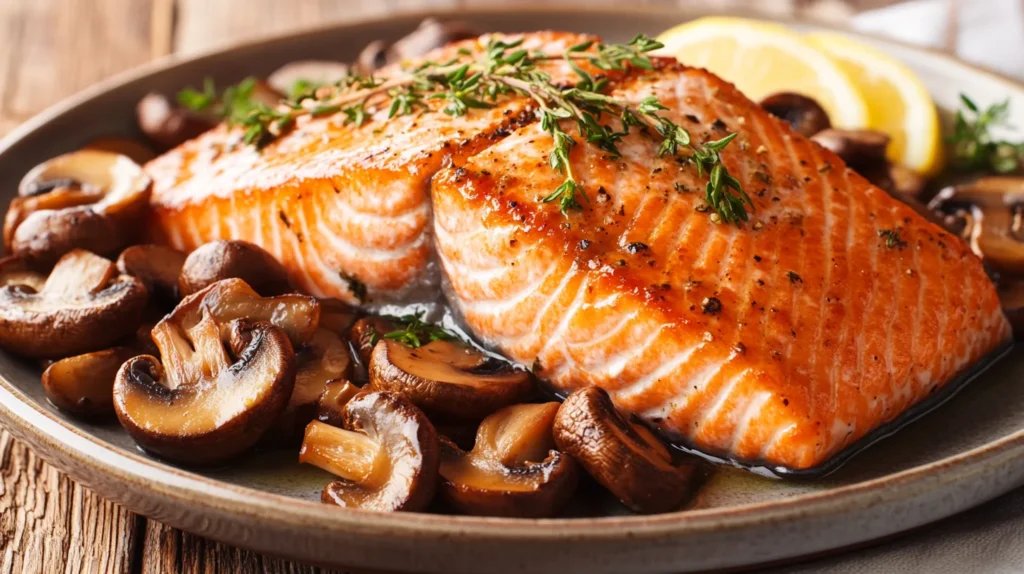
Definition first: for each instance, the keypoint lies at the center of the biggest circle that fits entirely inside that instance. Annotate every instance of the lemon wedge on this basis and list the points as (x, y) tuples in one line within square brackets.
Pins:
[(763, 58), (898, 103)]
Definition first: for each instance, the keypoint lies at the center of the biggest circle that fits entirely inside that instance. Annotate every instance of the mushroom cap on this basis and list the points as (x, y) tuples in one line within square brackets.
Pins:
[(991, 211), (626, 460), (448, 378), (158, 266), (83, 306), (167, 124), (86, 199), (330, 405), (323, 360), (805, 114), (14, 271), (337, 316), (83, 385), (858, 148), (202, 406), (365, 333), (512, 469), (230, 299), (218, 260), (404, 473)]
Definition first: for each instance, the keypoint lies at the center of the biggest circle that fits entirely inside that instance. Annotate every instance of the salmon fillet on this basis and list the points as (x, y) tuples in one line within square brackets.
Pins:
[(338, 205), (778, 341)]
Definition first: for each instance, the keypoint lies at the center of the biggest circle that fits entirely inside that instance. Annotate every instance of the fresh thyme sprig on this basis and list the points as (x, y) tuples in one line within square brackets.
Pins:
[(416, 332), (508, 68), (974, 146)]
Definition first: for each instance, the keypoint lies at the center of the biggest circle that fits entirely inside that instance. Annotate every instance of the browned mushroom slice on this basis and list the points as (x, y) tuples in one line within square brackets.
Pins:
[(430, 34), (512, 469), (14, 271), (324, 359), (623, 457), (448, 378), (857, 148), (330, 406), (386, 455), (1011, 296), (203, 405), (220, 260), (805, 114), (365, 333), (167, 124), (83, 385), (92, 200), (232, 299), (83, 306), (133, 149), (157, 266), (306, 74), (989, 213)]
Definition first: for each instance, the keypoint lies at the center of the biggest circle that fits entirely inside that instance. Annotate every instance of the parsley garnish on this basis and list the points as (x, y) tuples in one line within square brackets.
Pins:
[(974, 146)]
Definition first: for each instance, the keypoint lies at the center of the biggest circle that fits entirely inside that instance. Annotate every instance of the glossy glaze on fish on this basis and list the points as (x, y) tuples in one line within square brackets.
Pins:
[(338, 205), (780, 341)]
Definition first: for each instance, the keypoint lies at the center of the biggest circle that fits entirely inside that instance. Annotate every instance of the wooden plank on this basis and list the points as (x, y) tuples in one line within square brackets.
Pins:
[(49, 524), (54, 48), (171, 550)]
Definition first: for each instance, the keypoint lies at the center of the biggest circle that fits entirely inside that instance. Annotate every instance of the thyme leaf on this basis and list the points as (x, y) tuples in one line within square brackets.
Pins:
[(975, 148), (416, 332)]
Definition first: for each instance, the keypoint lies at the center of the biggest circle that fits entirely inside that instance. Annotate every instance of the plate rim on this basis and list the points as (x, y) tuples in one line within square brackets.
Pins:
[(46, 432)]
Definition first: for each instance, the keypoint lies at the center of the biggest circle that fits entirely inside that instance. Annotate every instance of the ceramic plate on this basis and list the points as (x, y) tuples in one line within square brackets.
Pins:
[(966, 452)]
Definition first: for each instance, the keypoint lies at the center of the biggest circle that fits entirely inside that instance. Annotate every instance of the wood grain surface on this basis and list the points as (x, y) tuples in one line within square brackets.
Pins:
[(50, 49)]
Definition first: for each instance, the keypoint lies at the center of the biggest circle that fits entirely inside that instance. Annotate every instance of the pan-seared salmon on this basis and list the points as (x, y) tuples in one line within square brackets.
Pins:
[(337, 204), (780, 340)]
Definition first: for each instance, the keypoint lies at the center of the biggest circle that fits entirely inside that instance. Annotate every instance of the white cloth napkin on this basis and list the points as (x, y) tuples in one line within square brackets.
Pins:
[(988, 539)]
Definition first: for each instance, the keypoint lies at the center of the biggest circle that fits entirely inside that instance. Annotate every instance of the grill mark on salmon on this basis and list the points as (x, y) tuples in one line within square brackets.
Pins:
[(791, 369)]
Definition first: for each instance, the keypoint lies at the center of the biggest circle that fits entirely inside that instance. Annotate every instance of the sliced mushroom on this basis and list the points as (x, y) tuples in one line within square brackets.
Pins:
[(324, 359), (133, 149), (92, 200), (804, 114), (622, 456), (449, 379), (365, 333), (14, 271), (430, 34), (858, 148), (232, 299), (988, 213), (202, 405), (372, 57), (219, 260), (83, 306), (157, 266), (311, 73), (1011, 297), (167, 124), (386, 455), (83, 385), (330, 406), (513, 469)]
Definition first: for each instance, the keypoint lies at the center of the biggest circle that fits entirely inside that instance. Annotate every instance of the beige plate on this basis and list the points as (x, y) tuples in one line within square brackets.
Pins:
[(967, 452)]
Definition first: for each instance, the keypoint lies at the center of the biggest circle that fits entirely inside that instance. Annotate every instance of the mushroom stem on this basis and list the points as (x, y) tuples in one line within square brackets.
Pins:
[(347, 454)]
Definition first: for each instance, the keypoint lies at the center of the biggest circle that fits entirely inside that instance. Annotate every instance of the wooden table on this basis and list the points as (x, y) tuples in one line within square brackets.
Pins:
[(50, 49)]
